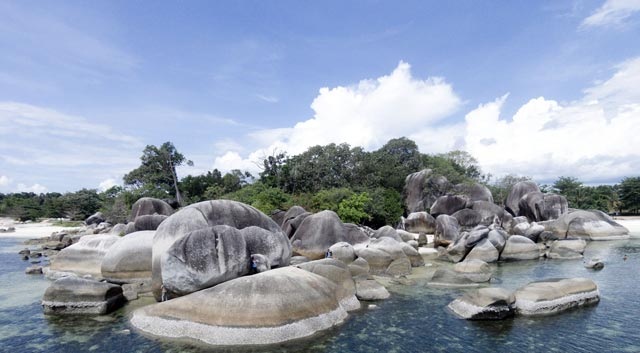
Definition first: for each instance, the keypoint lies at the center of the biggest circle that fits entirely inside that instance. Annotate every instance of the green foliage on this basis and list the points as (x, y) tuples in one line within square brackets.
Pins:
[(630, 193), (67, 224), (352, 209), (500, 188), (385, 207), (195, 188), (156, 174), (329, 199), (266, 199)]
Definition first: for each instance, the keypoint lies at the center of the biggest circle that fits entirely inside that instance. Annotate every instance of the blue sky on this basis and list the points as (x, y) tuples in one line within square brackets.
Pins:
[(544, 89)]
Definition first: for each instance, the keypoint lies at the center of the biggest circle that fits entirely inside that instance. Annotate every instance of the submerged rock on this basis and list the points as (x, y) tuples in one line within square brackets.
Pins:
[(266, 308), (74, 295), (485, 304), (555, 295)]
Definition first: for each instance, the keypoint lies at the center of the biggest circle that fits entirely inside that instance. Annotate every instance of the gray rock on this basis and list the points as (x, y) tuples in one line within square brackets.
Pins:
[(567, 249), (445, 277), (447, 231), (474, 192), (389, 232), (370, 290), (407, 236), (95, 218), (476, 235), (342, 251), (592, 224), (448, 205), (296, 260), (128, 260), (512, 204), (519, 248), (359, 268), (412, 253), (148, 222), (84, 257), (419, 222), (260, 263), (321, 230), (457, 251), (212, 255), (338, 273), (485, 304), (269, 307), (474, 269), (498, 238), (537, 206), (119, 229), (33, 270), (534, 231), (594, 264), (203, 215), (488, 211), (74, 295), (468, 218), (291, 225), (278, 216), (422, 188), (150, 206), (485, 251), (555, 295)]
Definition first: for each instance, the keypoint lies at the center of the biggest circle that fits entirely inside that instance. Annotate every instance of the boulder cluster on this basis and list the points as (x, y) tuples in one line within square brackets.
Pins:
[(224, 273)]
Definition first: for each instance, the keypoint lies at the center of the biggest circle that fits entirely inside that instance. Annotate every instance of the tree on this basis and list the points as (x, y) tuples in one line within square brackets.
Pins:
[(500, 188), (351, 209), (629, 191), (394, 161), (158, 170), (572, 189)]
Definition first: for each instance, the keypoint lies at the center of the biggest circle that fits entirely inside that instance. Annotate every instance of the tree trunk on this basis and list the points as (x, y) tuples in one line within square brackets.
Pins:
[(175, 182)]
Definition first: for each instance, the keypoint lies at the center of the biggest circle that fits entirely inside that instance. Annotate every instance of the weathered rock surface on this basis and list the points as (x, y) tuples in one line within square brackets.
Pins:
[(468, 218), (592, 224), (448, 205), (342, 251), (128, 260), (555, 295), (485, 304), (148, 222), (369, 290), (447, 231), (385, 256), (567, 249), (537, 206), (474, 270), (445, 277), (484, 251), (422, 188), (269, 307), (389, 232), (85, 256), (203, 215), (321, 230), (338, 273), (474, 192), (512, 204), (74, 295), (488, 211), (95, 218), (419, 222), (150, 206), (518, 247), (359, 268)]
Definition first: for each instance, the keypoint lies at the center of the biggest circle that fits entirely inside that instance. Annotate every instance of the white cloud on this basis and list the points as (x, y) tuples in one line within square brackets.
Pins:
[(232, 160), (594, 138), (268, 99), (107, 184), (35, 188), (366, 114), (612, 12), (69, 152), (4, 180)]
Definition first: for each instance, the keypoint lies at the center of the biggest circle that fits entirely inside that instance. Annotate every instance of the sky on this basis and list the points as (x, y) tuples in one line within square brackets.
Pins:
[(536, 88)]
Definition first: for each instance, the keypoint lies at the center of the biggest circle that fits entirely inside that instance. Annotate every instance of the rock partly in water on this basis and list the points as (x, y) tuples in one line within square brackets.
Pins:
[(567, 249), (128, 260), (475, 270), (419, 222), (592, 225), (485, 304), (84, 257), (555, 295), (270, 307), (369, 290), (485, 251), (519, 248), (74, 295)]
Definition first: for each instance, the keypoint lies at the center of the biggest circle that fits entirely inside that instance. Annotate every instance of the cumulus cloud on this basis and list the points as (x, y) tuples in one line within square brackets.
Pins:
[(594, 138), (612, 12), (365, 114), (4, 180), (67, 152), (107, 184), (35, 188)]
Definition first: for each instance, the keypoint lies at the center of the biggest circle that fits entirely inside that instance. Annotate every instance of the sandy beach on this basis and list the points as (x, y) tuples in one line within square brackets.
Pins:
[(29, 230), (632, 223)]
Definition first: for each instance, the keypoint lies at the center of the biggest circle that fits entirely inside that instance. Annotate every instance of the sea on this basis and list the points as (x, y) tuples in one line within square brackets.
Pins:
[(414, 319)]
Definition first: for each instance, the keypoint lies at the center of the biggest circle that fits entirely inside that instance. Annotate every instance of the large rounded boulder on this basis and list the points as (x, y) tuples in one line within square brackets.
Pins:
[(512, 204), (447, 231), (421, 189), (518, 247), (474, 192), (592, 224), (84, 257), (321, 230), (419, 222), (448, 205), (269, 307), (128, 260), (204, 216), (150, 206), (537, 206)]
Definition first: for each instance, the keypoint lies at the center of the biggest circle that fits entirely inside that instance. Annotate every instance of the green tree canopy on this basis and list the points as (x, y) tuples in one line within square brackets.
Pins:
[(158, 171), (630, 193)]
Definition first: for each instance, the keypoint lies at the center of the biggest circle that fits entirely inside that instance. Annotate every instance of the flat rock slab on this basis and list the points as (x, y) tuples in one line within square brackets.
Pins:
[(555, 295), (369, 289), (269, 307), (74, 295), (484, 304)]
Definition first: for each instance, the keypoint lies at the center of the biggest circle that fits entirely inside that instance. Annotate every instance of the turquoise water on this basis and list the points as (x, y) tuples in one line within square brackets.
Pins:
[(415, 319)]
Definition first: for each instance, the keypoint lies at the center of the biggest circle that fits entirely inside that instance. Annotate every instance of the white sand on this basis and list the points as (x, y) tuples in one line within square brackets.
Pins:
[(29, 230), (633, 224)]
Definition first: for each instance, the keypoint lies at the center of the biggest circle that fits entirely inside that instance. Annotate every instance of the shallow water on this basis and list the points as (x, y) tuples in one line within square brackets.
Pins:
[(415, 319)]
